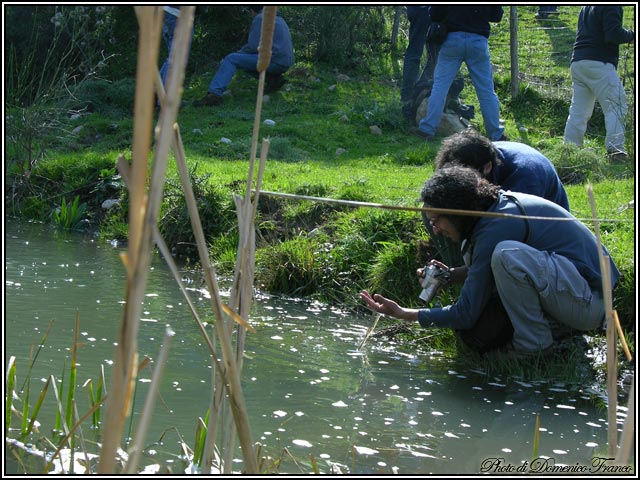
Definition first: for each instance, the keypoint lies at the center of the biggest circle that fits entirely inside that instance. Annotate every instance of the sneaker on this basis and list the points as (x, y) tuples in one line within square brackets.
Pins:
[(419, 133), (273, 83), (208, 100), (503, 138)]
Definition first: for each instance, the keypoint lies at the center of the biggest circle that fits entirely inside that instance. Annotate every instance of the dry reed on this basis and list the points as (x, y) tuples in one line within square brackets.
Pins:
[(612, 366)]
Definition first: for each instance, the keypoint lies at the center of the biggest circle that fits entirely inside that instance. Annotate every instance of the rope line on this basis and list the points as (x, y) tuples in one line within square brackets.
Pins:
[(441, 211)]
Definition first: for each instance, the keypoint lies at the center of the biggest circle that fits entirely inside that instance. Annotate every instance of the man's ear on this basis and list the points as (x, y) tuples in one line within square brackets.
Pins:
[(486, 169)]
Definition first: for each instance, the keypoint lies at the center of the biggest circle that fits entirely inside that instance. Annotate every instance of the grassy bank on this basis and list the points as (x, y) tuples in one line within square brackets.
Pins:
[(322, 145)]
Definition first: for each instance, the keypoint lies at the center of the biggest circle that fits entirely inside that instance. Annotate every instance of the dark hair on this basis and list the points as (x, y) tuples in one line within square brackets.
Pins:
[(467, 148), (256, 8), (459, 188)]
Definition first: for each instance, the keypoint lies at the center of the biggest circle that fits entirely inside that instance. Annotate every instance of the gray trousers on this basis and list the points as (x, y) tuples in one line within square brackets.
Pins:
[(542, 292)]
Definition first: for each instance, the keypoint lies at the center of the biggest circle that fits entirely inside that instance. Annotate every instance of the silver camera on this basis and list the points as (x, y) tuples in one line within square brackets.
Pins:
[(435, 278)]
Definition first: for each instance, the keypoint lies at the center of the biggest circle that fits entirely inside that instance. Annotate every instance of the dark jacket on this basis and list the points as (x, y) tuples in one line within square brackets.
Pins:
[(571, 239), (600, 34), (525, 169), (467, 18), (282, 47)]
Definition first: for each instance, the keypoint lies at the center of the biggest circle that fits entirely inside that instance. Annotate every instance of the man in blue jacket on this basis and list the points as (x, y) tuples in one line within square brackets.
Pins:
[(594, 77), (546, 273), (512, 165), (247, 58)]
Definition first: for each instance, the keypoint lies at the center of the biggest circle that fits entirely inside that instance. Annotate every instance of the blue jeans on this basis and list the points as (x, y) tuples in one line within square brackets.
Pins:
[(243, 61), (473, 50), (168, 27), (542, 293), (419, 21)]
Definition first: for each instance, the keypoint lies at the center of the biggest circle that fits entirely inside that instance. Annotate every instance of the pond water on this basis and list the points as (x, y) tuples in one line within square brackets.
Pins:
[(382, 409)]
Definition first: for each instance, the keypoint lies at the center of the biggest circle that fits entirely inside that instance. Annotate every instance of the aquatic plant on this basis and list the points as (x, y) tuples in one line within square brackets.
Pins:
[(69, 216)]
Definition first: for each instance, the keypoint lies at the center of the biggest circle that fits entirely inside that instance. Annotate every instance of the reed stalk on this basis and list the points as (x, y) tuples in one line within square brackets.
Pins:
[(242, 290), (143, 424), (232, 381), (612, 365), (25, 409), (214, 411), (623, 341), (36, 407), (73, 372), (8, 395), (144, 208), (35, 357), (71, 431), (536, 437), (628, 431)]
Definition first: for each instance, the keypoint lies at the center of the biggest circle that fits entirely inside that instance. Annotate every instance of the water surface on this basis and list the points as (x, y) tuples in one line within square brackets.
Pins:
[(381, 409)]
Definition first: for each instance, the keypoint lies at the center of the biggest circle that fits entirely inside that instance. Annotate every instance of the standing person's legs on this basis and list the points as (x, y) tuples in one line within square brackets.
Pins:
[(168, 27), (419, 21), (426, 78), (613, 100), (449, 62), (582, 102), (222, 78), (539, 289), (479, 65)]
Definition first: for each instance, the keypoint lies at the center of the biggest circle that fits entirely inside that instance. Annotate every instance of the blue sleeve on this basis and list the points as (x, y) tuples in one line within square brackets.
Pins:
[(254, 36)]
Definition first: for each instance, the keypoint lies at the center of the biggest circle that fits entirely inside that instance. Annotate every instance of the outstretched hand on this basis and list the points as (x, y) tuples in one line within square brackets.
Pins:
[(388, 307)]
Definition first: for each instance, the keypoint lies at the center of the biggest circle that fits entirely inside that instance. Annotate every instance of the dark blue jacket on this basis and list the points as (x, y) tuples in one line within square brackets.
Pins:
[(282, 48), (571, 239), (467, 18), (525, 169), (600, 34)]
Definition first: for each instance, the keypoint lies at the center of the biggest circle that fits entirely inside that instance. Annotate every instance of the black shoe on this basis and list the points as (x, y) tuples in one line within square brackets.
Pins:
[(503, 138), (208, 100), (419, 133), (273, 83), (617, 156)]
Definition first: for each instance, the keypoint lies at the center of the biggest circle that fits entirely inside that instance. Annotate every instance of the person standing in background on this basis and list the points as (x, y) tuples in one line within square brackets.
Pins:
[(419, 21), (594, 77), (467, 41), (171, 14)]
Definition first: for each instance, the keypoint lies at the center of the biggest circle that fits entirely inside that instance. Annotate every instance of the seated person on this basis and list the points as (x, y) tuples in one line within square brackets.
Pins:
[(247, 58), (546, 273)]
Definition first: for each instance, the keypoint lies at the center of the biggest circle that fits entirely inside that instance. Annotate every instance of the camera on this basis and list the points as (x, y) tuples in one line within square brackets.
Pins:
[(435, 277)]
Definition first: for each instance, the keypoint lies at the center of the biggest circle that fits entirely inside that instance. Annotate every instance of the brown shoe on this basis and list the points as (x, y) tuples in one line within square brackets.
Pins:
[(208, 100), (503, 138)]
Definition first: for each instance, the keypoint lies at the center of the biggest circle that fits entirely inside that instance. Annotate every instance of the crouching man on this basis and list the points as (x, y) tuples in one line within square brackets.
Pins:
[(546, 273)]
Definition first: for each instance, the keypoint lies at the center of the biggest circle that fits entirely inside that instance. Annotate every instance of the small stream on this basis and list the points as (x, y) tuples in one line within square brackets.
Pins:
[(308, 389)]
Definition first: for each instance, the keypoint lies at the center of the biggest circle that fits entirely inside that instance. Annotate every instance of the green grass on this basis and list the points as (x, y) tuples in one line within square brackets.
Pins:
[(321, 145)]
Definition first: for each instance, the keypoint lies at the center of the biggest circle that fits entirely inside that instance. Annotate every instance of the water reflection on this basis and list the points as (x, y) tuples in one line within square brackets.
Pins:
[(308, 388)]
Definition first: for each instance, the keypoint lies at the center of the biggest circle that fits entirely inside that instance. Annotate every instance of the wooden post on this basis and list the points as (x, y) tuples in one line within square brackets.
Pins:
[(513, 43)]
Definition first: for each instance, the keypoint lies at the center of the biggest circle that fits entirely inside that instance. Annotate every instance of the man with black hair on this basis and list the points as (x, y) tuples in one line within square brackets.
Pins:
[(247, 58), (545, 272), (512, 165)]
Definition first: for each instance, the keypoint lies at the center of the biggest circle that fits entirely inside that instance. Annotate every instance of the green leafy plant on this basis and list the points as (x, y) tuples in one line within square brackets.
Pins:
[(69, 216)]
